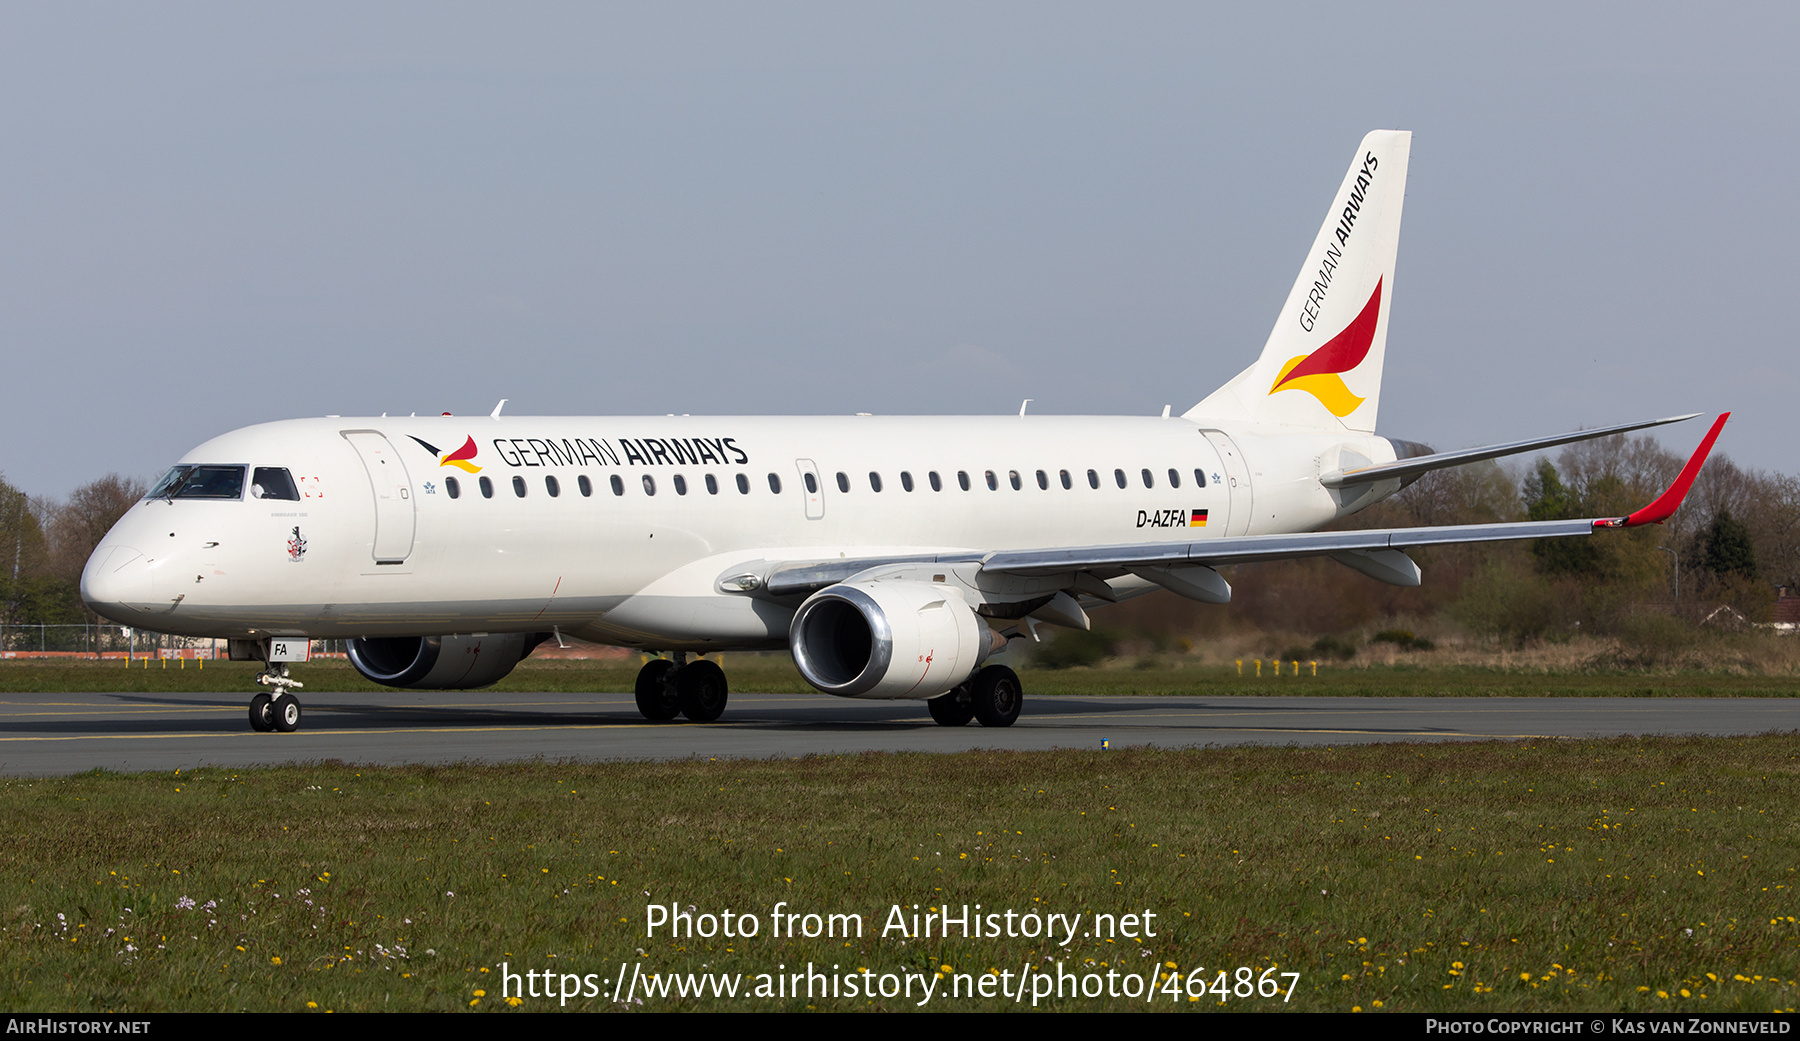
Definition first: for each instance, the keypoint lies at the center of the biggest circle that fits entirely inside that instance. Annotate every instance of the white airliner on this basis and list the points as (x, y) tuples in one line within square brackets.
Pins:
[(891, 555)]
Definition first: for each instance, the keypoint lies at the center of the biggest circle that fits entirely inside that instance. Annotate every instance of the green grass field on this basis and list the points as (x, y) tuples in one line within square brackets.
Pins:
[(1654, 874), (1597, 875)]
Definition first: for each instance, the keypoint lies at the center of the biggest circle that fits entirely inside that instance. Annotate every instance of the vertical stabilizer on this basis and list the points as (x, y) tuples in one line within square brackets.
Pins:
[(1321, 367)]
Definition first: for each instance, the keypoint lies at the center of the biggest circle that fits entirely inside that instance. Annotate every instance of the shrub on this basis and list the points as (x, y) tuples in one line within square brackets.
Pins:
[(1403, 639), (1074, 647), (1324, 648)]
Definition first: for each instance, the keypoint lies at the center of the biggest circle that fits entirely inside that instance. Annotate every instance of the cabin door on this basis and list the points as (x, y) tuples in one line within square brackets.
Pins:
[(394, 511), (1235, 476)]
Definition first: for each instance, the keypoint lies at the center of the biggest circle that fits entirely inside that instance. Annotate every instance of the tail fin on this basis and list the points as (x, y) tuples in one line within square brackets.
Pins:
[(1321, 367)]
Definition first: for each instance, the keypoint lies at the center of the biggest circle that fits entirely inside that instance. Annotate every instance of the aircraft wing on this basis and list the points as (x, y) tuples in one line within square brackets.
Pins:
[(1372, 551), (1249, 548)]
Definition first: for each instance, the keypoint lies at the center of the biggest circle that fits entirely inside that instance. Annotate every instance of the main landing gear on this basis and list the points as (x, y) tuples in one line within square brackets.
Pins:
[(992, 695), (280, 711), (666, 689)]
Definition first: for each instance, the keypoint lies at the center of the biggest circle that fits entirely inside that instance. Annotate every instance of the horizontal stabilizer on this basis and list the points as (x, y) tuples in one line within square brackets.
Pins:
[(1407, 469)]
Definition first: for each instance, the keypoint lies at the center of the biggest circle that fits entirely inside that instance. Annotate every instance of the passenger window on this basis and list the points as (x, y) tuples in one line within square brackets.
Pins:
[(1119, 476), (586, 486), (1174, 477), (552, 486), (1043, 480), (843, 482), (519, 487), (273, 482), (451, 488), (680, 485), (874, 481), (1149, 480), (618, 484), (993, 482), (743, 484), (649, 485), (775, 483), (812, 483), (712, 485), (487, 488), (1012, 476), (1066, 482), (962, 478), (1093, 479), (1199, 478), (906, 480), (936, 484)]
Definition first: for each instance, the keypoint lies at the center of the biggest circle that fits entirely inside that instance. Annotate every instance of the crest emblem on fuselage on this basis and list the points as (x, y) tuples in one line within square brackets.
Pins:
[(296, 546)]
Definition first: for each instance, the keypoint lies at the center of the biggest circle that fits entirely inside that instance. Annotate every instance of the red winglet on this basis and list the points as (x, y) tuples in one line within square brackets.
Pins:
[(1670, 499)]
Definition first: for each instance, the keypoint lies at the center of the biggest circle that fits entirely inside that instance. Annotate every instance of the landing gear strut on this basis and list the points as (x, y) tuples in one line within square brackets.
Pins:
[(992, 695), (280, 711), (668, 688), (954, 709)]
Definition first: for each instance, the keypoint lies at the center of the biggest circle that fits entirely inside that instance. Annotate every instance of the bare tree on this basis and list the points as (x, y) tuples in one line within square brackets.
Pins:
[(78, 524)]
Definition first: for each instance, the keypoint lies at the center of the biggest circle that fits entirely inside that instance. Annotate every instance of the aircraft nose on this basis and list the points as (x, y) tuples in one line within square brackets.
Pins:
[(116, 579)]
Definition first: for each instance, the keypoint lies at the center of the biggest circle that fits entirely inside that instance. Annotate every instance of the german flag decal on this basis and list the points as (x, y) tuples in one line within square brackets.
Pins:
[(1199, 520), (1320, 373)]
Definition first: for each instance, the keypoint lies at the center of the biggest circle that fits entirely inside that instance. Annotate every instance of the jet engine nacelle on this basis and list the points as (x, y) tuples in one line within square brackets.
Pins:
[(440, 662), (893, 639)]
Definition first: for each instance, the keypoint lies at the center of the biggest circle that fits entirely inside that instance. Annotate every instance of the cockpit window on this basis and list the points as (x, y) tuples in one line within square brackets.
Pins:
[(203, 482), (273, 482), (170, 481)]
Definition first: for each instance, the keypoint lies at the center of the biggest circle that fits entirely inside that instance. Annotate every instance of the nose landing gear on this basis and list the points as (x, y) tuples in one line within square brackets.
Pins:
[(666, 689), (281, 710)]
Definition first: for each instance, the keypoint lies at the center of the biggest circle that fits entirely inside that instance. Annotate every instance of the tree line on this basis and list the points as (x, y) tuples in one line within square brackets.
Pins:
[(44, 544)]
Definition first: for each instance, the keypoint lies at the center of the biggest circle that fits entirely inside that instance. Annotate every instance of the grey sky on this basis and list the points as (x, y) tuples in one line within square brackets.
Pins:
[(213, 215)]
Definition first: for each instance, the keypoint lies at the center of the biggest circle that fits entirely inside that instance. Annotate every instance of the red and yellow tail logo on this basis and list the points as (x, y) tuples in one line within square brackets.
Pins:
[(1319, 373), (460, 458)]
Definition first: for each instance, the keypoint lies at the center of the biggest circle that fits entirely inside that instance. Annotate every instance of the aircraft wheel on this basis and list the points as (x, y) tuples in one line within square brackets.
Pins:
[(286, 713), (655, 700), (953, 709), (701, 687), (997, 696), (262, 713)]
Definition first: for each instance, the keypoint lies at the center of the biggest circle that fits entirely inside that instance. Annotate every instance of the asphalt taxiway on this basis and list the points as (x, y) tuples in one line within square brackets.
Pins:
[(63, 733)]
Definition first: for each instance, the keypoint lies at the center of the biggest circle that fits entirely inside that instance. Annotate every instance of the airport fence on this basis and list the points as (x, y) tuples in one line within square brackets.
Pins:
[(113, 641)]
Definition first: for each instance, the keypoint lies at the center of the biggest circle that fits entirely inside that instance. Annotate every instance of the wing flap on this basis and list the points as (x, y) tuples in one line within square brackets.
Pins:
[(1249, 549)]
